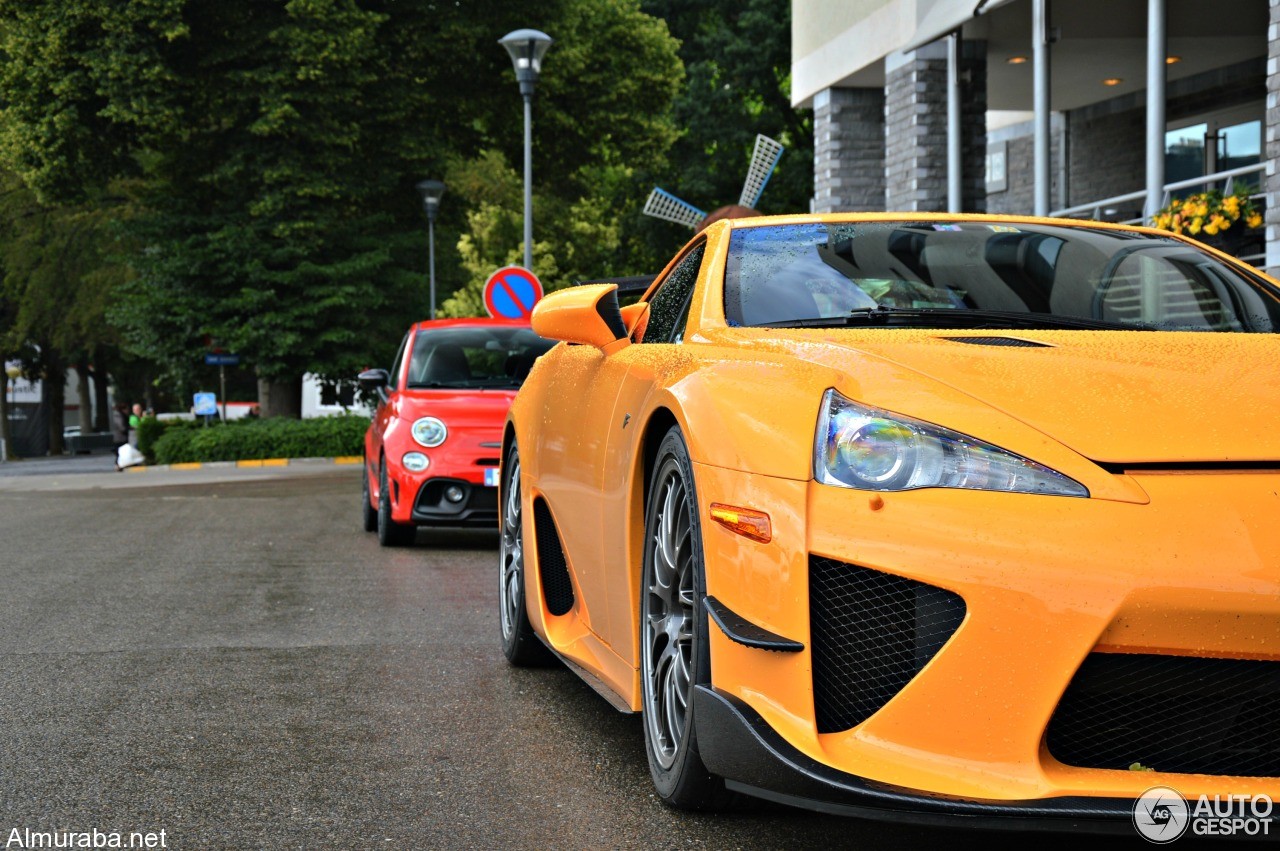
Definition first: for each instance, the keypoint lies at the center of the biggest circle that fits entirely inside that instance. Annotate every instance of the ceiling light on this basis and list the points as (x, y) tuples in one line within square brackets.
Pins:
[(1112, 81), (1170, 60), (1016, 60)]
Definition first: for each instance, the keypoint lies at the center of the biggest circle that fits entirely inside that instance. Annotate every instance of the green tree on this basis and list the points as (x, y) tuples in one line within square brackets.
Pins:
[(60, 272), (602, 116), (277, 145)]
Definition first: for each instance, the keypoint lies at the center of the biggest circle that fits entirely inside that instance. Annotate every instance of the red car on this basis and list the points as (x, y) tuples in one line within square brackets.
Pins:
[(431, 453)]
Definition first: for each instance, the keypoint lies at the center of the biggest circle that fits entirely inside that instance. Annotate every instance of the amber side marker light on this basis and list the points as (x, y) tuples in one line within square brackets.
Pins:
[(745, 521)]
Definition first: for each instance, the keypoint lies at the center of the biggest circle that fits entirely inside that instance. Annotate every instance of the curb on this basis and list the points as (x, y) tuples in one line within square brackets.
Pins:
[(265, 462)]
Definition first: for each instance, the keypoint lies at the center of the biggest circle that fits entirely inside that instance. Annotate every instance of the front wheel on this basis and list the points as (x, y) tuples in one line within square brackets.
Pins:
[(675, 654), (390, 533), (519, 643)]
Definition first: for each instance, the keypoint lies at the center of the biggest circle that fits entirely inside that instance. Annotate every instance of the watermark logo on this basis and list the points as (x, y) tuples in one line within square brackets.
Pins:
[(1161, 814)]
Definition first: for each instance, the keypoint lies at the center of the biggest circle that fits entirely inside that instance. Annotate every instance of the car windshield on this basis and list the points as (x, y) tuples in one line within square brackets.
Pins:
[(986, 274), (474, 356)]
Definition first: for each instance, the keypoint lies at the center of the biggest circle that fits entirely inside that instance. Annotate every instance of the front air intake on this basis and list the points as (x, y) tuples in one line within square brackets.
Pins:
[(1182, 714), (870, 634), (553, 568)]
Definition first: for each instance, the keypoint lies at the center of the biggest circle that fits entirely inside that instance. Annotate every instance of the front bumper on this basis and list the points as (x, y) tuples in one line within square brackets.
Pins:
[(737, 744), (477, 508), (468, 460), (1190, 567)]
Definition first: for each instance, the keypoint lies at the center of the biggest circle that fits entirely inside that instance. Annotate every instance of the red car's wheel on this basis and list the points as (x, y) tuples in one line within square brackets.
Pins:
[(390, 533), (368, 514)]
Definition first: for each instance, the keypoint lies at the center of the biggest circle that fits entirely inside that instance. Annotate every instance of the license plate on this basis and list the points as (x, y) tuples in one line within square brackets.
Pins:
[(491, 477)]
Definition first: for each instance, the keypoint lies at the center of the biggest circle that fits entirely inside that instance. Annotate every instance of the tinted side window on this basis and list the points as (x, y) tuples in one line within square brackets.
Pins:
[(668, 309)]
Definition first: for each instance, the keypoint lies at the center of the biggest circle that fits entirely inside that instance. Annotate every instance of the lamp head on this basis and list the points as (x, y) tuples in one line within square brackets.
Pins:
[(431, 191), (526, 47)]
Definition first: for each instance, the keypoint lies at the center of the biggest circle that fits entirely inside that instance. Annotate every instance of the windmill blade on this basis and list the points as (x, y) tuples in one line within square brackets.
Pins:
[(661, 204), (763, 161)]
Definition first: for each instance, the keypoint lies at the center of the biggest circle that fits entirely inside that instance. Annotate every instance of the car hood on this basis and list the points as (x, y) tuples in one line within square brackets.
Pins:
[(1111, 396), (458, 408)]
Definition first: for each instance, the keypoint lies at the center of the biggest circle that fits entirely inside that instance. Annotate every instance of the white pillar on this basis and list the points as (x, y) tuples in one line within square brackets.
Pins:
[(1156, 71), (954, 202), (1040, 58)]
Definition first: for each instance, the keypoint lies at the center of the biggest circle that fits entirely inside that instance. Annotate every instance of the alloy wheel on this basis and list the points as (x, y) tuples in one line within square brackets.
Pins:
[(667, 644), (511, 554)]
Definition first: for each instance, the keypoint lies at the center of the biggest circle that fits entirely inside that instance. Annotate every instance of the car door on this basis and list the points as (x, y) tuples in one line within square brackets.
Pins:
[(570, 443), (668, 316)]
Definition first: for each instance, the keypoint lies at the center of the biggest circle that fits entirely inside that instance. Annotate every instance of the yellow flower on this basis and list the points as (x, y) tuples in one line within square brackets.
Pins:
[(1232, 205), (1202, 210), (1196, 224), (1254, 220), (1211, 228)]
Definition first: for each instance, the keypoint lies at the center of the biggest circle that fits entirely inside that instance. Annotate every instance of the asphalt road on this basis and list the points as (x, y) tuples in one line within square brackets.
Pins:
[(225, 656)]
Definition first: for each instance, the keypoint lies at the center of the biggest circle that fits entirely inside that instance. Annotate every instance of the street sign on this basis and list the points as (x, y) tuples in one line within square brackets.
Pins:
[(511, 293), (221, 359), (206, 404)]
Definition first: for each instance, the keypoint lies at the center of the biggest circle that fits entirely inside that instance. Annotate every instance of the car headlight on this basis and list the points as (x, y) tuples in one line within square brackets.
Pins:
[(429, 432), (415, 462), (860, 447)]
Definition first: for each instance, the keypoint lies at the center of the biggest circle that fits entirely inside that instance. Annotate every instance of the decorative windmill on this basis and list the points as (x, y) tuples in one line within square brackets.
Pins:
[(661, 204)]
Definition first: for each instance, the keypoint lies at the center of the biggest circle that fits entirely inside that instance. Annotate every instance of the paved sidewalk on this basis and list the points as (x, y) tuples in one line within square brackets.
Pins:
[(74, 477)]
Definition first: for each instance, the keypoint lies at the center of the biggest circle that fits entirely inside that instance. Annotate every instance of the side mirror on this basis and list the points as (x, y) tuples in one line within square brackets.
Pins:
[(586, 314), (375, 381)]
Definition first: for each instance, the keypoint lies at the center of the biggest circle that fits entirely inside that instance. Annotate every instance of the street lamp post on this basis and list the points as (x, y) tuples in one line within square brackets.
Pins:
[(432, 191), (527, 47)]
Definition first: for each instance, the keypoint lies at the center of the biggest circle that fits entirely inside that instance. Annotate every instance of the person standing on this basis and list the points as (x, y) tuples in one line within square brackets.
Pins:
[(135, 420), (119, 426)]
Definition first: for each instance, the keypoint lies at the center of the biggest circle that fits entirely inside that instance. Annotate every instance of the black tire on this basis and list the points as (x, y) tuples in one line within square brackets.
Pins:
[(519, 642), (674, 649), (368, 514), (390, 533)]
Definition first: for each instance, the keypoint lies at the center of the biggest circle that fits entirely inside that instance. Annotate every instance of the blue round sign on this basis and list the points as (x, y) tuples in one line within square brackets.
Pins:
[(511, 292)]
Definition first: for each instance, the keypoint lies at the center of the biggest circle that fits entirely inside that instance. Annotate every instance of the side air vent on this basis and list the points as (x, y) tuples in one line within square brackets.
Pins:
[(553, 569), (870, 633), (999, 341)]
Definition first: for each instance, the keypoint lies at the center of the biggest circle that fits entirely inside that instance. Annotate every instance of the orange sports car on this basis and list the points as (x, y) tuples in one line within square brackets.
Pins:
[(939, 515)]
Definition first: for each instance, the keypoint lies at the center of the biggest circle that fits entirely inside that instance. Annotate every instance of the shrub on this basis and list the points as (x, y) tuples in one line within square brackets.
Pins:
[(150, 431), (250, 440)]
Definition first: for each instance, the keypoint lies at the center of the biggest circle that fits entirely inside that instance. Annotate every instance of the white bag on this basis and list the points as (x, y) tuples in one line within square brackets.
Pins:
[(129, 456)]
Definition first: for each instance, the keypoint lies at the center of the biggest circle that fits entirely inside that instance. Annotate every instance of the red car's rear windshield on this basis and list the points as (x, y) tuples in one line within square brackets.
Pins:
[(474, 357), (966, 274)]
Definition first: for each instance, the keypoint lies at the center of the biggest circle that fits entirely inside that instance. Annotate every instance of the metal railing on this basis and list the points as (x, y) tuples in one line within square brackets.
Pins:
[(1102, 209)]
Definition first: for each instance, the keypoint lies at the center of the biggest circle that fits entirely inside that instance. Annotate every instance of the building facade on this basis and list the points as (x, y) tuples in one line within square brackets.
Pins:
[(1100, 109)]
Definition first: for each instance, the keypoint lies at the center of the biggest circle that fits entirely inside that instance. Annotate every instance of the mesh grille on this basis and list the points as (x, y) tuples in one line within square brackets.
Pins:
[(1171, 713), (552, 567), (871, 632)]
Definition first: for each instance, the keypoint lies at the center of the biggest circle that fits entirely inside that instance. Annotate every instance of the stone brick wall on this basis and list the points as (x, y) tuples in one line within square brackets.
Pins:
[(848, 150), (915, 148), (1019, 197), (1106, 157), (915, 155)]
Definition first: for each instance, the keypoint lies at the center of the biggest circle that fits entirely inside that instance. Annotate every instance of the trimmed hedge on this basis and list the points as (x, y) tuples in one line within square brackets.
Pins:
[(150, 430), (253, 440)]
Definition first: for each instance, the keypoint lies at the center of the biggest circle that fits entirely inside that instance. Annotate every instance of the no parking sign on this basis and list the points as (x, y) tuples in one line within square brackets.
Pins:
[(511, 292)]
